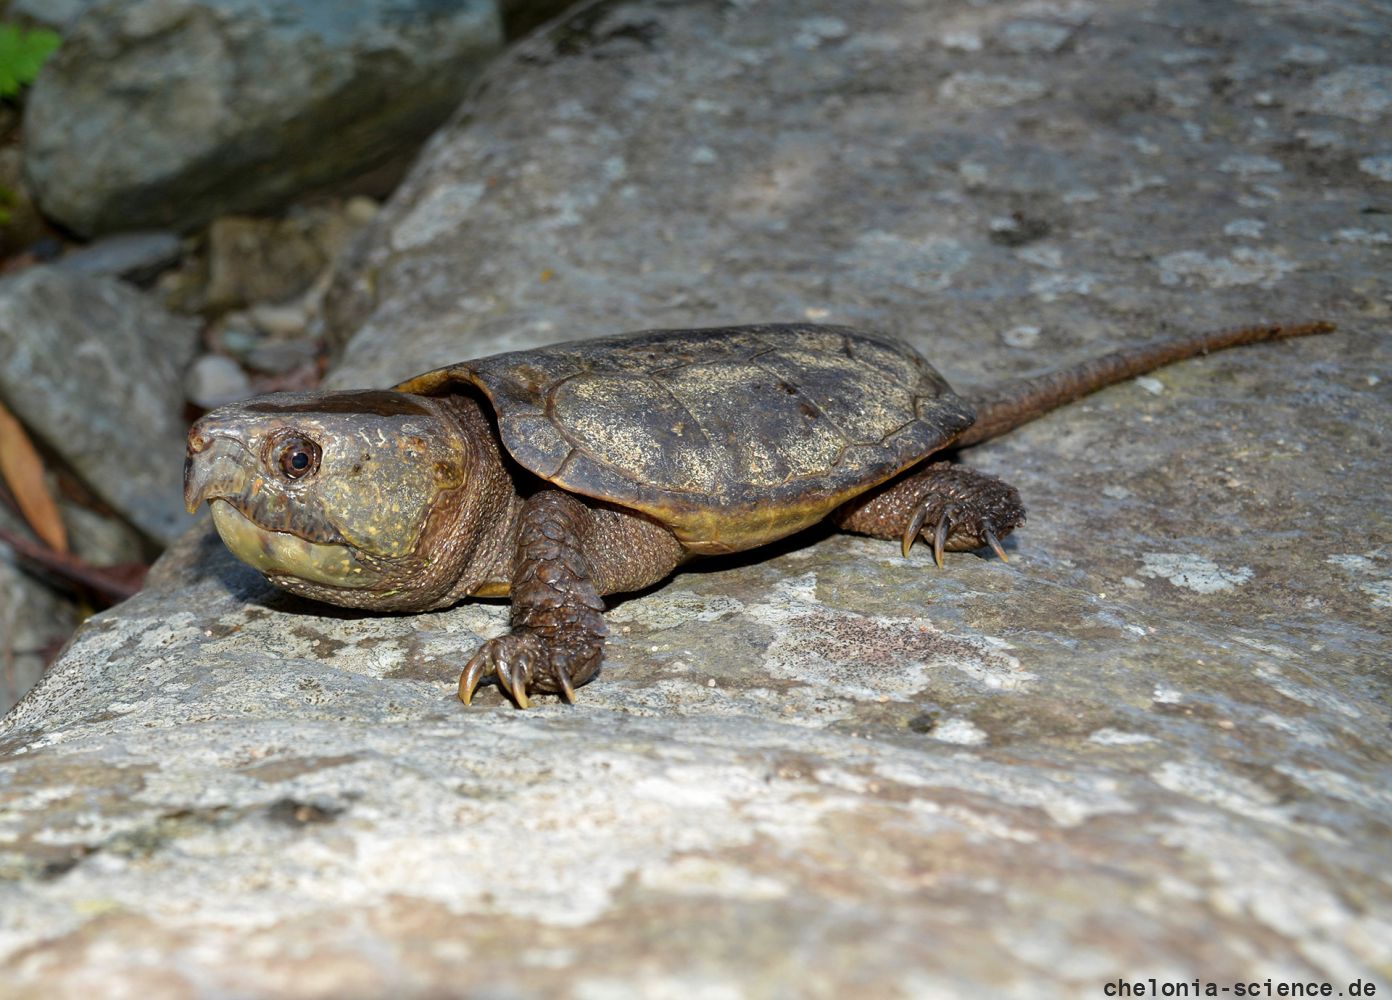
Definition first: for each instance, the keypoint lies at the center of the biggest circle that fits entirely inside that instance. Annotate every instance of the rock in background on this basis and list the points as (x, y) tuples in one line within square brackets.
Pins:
[(94, 368), (1155, 744), (56, 14), (34, 622), (165, 113), (137, 257), (519, 16)]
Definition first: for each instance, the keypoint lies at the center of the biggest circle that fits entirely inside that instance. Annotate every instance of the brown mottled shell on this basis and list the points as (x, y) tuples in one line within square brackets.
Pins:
[(732, 437)]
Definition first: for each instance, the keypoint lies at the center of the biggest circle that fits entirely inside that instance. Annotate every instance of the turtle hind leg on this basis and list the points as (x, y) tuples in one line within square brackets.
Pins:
[(951, 507), (568, 554)]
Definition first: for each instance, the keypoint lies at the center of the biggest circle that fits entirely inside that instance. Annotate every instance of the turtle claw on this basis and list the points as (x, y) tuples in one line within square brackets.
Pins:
[(995, 544), (914, 527), (469, 679), (940, 538), (567, 688), (514, 676), (514, 682), (511, 659)]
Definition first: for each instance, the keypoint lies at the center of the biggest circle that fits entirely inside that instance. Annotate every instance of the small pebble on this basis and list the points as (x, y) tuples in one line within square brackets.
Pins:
[(1033, 37), (1021, 336), (215, 380), (1244, 227), (279, 320), (278, 357), (360, 210), (237, 335)]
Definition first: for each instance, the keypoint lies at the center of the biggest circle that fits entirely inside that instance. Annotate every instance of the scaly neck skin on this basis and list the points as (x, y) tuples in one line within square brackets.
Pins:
[(487, 508)]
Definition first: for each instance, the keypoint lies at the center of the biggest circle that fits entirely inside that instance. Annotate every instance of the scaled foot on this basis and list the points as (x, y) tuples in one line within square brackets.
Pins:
[(951, 507), (526, 661)]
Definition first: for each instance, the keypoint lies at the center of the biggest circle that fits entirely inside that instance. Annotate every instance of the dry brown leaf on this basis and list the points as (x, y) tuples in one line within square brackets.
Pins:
[(23, 472)]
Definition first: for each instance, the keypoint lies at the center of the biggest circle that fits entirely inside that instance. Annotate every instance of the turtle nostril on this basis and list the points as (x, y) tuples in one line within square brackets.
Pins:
[(198, 442)]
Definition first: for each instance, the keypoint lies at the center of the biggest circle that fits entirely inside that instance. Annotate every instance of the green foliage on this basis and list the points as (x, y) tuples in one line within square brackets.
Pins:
[(22, 53)]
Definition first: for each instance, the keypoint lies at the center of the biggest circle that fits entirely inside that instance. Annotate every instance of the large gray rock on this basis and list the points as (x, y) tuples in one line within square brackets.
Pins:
[(165, 113), (1154, 744), (94, 368)]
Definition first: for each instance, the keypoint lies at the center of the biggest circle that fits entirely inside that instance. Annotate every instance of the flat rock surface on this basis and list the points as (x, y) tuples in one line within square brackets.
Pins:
[(1153, 744)]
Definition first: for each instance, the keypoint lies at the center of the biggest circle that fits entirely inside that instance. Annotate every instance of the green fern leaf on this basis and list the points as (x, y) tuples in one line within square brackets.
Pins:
[(22, 55)]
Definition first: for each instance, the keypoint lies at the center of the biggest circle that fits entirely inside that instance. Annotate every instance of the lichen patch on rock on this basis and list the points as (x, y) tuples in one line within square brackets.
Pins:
[(1192, 572)]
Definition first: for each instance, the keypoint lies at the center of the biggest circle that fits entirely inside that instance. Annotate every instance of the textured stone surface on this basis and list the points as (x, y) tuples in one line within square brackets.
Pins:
[(1154, 744), (94, 368), (166, 113)]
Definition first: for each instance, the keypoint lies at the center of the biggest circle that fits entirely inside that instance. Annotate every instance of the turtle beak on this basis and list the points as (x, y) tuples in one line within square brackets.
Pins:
[(215, 466)]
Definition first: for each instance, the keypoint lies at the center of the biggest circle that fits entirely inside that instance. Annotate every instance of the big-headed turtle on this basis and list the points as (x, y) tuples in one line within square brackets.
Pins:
[(562, 474)]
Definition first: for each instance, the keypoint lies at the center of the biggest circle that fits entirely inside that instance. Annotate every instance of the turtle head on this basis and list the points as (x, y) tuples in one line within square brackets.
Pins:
[(339, 496)]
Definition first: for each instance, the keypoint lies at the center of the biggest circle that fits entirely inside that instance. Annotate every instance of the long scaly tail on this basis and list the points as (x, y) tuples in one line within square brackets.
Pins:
[(1004, 407)]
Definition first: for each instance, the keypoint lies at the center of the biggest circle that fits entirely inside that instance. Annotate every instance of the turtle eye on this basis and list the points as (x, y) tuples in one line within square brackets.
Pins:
[(299, 457)]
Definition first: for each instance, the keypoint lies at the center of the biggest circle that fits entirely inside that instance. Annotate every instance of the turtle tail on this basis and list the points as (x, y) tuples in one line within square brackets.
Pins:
[(1004, 407)]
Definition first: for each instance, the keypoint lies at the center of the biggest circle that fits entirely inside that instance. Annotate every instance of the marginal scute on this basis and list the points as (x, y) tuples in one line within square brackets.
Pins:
[(732, 437)]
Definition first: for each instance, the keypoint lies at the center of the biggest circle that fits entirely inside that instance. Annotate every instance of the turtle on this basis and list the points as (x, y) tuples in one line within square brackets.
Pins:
[(560, 475)]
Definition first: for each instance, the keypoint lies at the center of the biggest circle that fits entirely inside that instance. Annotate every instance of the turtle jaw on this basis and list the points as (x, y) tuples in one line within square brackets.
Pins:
[(285, 558)]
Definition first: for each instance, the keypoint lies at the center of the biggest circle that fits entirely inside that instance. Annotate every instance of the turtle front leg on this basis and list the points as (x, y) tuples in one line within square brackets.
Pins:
[(568, 554), (558, 628), (951, 507)]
